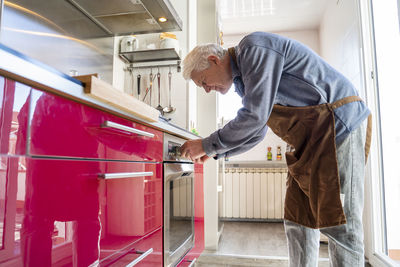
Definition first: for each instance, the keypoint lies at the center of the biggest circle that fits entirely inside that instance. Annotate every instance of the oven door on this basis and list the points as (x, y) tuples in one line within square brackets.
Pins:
[(178, 211)]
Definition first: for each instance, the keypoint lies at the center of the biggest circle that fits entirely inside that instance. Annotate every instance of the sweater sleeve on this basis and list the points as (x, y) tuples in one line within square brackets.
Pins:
[(261, 70)]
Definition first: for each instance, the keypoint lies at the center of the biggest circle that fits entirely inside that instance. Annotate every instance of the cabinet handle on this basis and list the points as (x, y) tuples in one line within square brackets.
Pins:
[(110, 124), (140, 258), (107, 176)]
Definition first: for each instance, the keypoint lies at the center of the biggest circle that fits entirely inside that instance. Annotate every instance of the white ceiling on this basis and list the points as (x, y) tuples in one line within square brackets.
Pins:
[(243, 16)]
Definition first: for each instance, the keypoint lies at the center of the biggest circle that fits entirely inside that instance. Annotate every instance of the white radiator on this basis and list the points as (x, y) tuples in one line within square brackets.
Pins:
[(253, 193)]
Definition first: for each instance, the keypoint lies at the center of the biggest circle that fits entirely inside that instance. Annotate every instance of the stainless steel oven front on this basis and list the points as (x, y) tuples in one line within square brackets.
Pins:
[(178, 202)]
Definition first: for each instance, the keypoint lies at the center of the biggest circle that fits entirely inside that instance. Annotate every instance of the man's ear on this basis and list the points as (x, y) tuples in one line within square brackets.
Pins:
[(214, 59)]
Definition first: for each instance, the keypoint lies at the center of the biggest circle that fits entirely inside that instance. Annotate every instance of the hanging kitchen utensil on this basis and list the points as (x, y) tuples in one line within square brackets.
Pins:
[(169, 108), (131, 76), (146, 91), (138, 85), (159, 107), (151, 83)]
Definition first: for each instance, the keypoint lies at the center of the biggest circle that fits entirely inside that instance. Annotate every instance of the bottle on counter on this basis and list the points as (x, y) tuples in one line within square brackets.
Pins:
[(278, 153), (269, 153)]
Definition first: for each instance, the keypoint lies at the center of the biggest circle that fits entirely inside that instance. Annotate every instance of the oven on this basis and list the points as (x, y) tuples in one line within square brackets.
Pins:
[(178, 202)]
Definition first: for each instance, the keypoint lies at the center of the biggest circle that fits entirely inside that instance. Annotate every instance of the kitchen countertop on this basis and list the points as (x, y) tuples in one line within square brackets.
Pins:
[(23, 69)]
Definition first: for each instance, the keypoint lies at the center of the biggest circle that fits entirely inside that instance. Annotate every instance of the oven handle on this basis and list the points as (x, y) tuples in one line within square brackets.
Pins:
[(140, 258), (178, 175), (107, 176), (110, 124)]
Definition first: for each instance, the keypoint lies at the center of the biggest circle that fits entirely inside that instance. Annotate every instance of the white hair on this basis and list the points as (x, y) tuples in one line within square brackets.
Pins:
[(197, 58)]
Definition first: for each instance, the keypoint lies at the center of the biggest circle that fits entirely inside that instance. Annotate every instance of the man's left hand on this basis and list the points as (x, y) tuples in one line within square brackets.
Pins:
[(193, 149)]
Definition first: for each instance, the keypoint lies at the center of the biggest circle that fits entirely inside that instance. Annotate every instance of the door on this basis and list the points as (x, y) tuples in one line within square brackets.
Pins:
[(178, 211)]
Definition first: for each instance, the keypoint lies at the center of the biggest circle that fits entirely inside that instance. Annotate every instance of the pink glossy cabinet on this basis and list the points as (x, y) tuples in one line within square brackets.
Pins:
[(78, 186), (64, 128), (11, 168), (14, 109), (62, 212)]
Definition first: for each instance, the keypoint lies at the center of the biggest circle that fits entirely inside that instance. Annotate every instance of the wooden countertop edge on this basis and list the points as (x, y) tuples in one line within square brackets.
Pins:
[(104, 92)]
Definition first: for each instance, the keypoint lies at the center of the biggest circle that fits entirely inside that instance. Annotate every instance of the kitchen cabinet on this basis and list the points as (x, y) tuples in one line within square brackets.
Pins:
[(14, 108), (59, 211), (146, 252), (74, 189), (77, 185), (10, 167), (65, 128)]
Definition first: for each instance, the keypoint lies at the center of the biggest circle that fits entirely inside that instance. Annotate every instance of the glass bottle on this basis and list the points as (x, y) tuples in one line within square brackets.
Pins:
[(269, 153), (278, 153)]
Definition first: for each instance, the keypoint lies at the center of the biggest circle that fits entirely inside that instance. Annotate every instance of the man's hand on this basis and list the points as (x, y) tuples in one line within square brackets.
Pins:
[(193, 149), (202, 159)]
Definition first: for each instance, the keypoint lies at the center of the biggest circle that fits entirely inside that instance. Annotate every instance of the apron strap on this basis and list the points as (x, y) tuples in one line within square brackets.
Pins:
[(368, 137), (345, 101), (232, 53)]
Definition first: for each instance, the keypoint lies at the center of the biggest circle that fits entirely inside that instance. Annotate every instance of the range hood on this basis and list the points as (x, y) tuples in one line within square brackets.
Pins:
[(102, 18)]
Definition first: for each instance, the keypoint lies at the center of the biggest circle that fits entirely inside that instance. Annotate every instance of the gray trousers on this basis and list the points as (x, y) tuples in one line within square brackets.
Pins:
[(345, 245)]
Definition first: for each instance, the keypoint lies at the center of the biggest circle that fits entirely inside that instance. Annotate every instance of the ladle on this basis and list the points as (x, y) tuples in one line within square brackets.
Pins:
[(169, 108), (159, 107)]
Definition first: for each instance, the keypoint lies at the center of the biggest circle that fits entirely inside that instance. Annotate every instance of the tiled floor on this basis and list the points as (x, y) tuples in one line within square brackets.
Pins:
[(252, 244)]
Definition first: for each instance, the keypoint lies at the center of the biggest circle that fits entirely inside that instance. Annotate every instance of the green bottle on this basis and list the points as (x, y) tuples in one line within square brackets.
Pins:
[(269, 154)]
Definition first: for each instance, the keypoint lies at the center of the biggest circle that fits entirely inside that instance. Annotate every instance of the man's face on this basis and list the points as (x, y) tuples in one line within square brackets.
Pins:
[(216, 77)]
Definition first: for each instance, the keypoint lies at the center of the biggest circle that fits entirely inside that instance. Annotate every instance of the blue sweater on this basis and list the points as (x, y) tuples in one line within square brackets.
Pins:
[(272, 69)]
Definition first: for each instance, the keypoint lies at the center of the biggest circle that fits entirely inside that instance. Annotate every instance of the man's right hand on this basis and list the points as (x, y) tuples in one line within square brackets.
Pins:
[(202, 159)]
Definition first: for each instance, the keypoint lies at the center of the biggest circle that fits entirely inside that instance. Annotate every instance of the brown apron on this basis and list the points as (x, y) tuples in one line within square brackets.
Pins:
[(313, 184)]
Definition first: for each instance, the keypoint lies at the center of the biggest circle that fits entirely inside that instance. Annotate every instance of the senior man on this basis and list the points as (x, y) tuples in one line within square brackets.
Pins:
[(287, 87)]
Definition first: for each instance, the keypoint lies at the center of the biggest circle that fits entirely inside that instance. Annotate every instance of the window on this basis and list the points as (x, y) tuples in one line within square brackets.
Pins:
[(229, 104), (385, 173)]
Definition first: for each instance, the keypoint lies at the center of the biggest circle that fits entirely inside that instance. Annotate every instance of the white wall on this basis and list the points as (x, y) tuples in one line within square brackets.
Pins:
[(207, 124), (307, 37), (192, 42), (340, 39), (259, 152)]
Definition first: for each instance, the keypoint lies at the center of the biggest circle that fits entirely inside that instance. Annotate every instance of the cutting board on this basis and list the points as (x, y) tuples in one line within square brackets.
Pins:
[(104, 92)]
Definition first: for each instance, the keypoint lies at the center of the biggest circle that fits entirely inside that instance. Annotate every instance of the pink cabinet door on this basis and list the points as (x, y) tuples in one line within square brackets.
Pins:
[(62, 127), (62, 212), (147, 253), (14, 108)]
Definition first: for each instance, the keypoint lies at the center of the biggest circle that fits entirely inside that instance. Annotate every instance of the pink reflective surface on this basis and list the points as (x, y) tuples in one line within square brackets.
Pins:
[(14, 108), (62, 214), (151, 241), (198, 217), (59, 126)]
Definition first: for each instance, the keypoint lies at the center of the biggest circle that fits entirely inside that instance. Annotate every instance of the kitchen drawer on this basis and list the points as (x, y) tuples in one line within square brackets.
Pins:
[(65, 128), (134, 205), (187, 261), (14, 108), (146, 252), (57, 210)]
